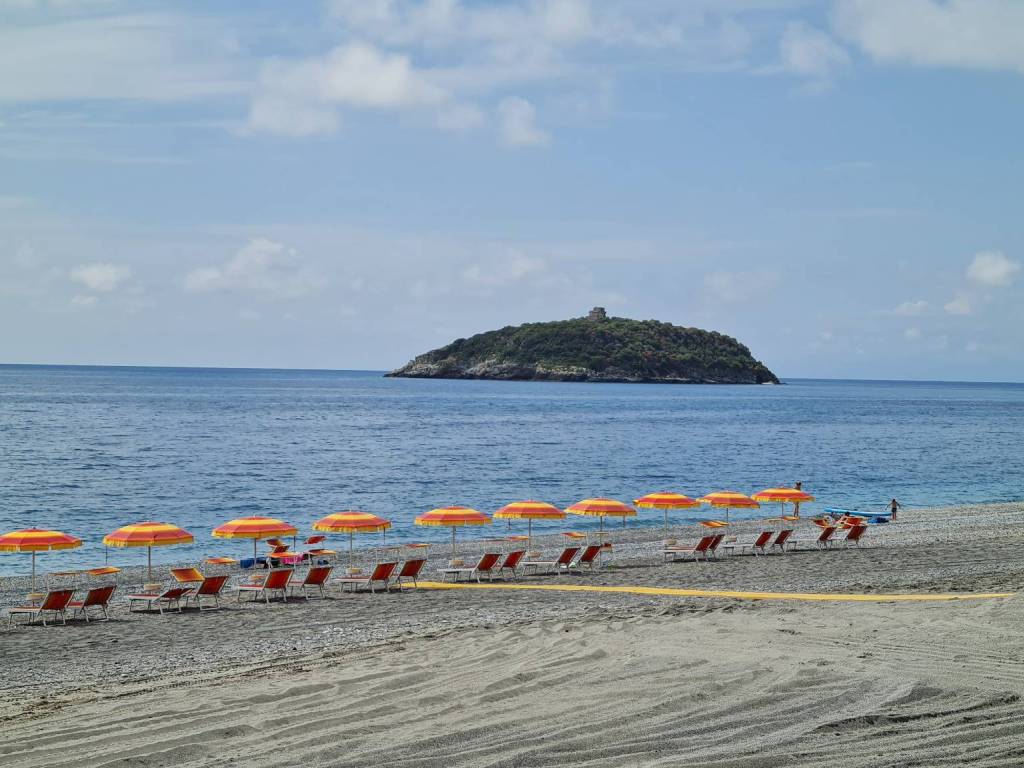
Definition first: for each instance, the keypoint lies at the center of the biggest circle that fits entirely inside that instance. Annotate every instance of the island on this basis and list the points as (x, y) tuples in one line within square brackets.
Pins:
[(594, 348)]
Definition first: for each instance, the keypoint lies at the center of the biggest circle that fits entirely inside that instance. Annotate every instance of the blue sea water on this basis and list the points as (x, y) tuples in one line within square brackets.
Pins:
[(88, 449)]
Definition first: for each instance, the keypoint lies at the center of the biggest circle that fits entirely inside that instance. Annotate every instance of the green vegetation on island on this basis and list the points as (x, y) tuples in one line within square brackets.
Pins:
[(594, 348)]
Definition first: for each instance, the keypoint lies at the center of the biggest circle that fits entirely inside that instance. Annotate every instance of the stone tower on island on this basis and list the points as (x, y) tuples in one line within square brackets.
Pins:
[(597, 314)]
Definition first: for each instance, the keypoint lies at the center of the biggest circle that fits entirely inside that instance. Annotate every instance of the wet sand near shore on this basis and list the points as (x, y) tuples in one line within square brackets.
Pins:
[(496, 677)]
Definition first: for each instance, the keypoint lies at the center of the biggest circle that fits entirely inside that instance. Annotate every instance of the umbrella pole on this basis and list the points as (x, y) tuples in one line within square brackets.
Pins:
[(149, 562), (666, 522), (33, 571), (453, 541), (254, 553), (351, 538)]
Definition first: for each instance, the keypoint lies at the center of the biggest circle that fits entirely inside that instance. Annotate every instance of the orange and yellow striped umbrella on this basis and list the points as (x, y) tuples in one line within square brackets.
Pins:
[(148, 534), (352, 522), (728, 500), (254, 528), (37, 540), (665, 501), (602, 508), (452, 517), (529, 511), (783, 496)]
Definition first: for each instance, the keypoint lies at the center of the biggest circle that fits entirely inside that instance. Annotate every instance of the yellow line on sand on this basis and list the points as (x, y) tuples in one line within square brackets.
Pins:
[(818, 596)]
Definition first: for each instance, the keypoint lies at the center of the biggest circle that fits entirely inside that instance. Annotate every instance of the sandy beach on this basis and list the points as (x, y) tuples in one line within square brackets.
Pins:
[(525, 677)]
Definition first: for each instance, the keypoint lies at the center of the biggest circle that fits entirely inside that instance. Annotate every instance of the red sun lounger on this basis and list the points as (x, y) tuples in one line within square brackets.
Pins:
[(562, 564), (782, 539), (696, 551), (97, 597), (210, 588), (755, 546), (55, 602), (410, 572), (484, 567), (159, 600), (381, 575), (275, 581), (511, 563), (315, 579), (854, 535)]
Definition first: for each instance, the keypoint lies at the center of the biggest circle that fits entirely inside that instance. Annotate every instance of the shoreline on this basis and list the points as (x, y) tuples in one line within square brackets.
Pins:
[(458, 644)]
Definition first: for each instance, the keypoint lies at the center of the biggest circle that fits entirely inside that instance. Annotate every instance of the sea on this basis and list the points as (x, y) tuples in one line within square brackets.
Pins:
[(89, 449)]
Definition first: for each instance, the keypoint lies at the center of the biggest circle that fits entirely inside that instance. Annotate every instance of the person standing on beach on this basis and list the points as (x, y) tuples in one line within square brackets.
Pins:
[(799, 485), (893, 506)]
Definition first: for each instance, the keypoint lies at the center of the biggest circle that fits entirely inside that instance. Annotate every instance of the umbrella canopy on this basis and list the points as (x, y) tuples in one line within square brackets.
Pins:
[(254, 528), (452, 517), (352, 522), (665, 501), (148, 534), (602, 508), (529, 511), (783, 496), (37, 540), (728, 500)]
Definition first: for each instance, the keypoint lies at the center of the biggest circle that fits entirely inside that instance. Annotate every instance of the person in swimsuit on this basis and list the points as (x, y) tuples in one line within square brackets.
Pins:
[(893, 506)]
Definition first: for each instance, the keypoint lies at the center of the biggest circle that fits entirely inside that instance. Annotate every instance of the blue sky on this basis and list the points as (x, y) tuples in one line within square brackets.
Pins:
[(349, 183)]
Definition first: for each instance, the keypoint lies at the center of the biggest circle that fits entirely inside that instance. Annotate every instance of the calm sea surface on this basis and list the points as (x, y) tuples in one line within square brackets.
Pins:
[(86, 449)]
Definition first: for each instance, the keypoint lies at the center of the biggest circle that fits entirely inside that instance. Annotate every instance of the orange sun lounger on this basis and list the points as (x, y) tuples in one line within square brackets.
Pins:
[(159, 600), (275, 581), (381, 575), (755, 546), (484, 567), (561, 565), (315, 579), (211, 587), (410, 572), (55, 602), (698, 550), (97, 597)]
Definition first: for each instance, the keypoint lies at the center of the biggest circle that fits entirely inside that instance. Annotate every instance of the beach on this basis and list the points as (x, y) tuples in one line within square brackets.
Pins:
[(534, 677)]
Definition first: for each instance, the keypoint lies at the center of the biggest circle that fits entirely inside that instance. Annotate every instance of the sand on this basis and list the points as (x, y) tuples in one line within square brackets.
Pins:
[(538, 678)]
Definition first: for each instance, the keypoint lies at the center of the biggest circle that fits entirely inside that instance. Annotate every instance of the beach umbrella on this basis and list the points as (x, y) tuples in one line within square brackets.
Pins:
[(37, 540), (666, 501), (254, 528), (148, 534), (728, 500), (452, 517), (352, 522), (602, 508), (784, 496), (529, 511)]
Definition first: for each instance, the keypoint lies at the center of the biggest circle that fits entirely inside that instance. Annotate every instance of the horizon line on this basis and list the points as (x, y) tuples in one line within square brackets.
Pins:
[(383, 371)]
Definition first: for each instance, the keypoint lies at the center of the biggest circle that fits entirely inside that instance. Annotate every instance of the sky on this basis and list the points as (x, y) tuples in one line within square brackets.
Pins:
[(347, 184)]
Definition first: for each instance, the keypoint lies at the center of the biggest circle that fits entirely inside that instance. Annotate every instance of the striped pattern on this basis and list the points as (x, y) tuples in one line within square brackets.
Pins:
[(601, 508), (666, 500), (148, 534), (37, 540), (529, 510), (351, 522), (782, 494), (728, 500), (254, 528), (452, 516)]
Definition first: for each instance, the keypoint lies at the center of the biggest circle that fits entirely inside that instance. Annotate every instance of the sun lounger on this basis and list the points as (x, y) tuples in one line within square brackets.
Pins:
[(159, 600), (187, 575), (315, 579), (854, 535), (755, 546), (712, 550), (381, 575), (55, 602), (210, 587), (484, 567), (511, 563), (590, 557), (697, 551), (781, 540), (562, 564), (97, 597), (410, 572), (275, 581)]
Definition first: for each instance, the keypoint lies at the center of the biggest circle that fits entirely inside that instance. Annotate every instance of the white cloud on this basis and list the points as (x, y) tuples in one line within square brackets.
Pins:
[(262, 267), (974, 34), (961, 305), (911, 308), (506, 270), (102, 276), (912, 334), (518, 124), (735, 287), (810, 52), (992, 269)]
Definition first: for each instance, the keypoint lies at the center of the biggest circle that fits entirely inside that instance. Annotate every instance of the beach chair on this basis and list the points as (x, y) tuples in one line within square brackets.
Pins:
[(755, 546), (485, 566), (824, 540), (55, 602), (315, 579), (410, 572), (275, 581), (381, 575), (696, 551), (210, 587), (187, 575), (562, 564), (590, 557), (853, 535), (511, 563), (712, 549), (159, 600), (781, 540), (97, 597)]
